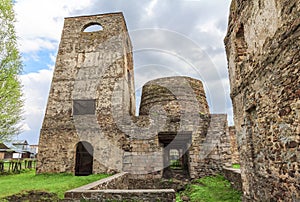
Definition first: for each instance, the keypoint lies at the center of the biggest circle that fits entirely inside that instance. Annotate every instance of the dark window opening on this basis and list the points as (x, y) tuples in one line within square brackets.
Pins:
[(83, 107)]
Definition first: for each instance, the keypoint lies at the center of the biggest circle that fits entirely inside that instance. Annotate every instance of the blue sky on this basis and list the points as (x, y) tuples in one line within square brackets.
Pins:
[(190, 33), (34, 62)]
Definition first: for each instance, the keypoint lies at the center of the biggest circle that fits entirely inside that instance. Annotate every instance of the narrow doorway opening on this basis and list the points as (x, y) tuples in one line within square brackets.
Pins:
[(84, 159), (176, 154)]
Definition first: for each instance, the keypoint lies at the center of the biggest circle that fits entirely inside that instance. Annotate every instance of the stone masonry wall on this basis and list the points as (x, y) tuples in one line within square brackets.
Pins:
[(181, 107), (262, 47), (146, 195), (176, 95), (92, 66), (215, 150), (122, 187), (234, 177), (235, 156), (172, 105)]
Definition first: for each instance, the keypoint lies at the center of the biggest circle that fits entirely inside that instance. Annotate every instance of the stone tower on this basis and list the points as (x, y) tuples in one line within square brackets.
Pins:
[(262, 47), (79, 132), (179, 104), (178, 114)]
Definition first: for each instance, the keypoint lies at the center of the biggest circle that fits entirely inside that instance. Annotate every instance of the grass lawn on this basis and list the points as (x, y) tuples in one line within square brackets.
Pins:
[(55, 183), (210, 189)]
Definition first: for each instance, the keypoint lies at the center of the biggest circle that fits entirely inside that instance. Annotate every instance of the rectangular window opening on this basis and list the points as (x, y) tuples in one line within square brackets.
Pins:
[(84, 107)]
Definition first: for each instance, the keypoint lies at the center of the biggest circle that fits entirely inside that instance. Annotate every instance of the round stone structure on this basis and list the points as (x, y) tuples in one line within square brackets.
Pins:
[(176, 95)]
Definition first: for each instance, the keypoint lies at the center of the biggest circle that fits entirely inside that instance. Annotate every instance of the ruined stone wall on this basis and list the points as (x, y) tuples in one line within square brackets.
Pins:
[(172, 105), (92, 73), (187, 114), (145, 154), (140, 195), (123, 187), (92, 100), (214, 152), (262, 47), (176, 95), (234, 177), (235, 156), (177, 106)]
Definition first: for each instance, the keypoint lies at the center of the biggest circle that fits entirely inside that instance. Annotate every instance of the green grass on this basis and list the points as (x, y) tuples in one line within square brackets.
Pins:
[(54, 183), (210, 189), (237, 166)]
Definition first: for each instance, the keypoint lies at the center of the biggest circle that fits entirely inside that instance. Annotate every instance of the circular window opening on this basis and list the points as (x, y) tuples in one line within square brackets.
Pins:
[(93, 28)]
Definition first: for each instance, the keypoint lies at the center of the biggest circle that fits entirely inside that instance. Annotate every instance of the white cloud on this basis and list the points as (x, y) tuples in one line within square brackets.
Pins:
[(39, 23), (35, 89), (150, 7), (36, 44)]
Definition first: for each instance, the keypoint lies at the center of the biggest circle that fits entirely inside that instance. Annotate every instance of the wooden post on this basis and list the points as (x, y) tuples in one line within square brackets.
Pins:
[(1, 166)]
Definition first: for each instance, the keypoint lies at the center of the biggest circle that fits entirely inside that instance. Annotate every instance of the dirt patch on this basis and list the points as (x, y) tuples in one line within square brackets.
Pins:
[(32, 196)]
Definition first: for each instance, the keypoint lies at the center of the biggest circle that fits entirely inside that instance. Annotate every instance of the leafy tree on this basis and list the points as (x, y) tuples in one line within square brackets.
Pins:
[(10, 67)]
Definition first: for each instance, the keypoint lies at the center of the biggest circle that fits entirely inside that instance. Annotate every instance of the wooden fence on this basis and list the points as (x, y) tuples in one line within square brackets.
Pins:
[(15, 166)]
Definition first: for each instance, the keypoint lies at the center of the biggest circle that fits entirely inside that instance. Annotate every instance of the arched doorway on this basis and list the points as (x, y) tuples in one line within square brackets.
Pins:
[(84, 159)]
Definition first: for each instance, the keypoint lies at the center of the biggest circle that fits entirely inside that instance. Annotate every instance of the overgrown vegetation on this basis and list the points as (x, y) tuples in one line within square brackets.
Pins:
[(52, 183), (210, 189)]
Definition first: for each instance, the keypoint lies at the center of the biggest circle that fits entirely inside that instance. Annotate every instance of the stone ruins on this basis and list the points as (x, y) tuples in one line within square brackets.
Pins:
[(90, 124), (263, 44)]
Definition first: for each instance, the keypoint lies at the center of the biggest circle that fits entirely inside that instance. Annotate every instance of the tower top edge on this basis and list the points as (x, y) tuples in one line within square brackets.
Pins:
[(96, 15)]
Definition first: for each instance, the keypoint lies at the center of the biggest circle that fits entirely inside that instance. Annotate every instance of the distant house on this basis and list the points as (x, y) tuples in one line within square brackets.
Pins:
[(21, 149), (34, 150), (21, 145), (5, 152)]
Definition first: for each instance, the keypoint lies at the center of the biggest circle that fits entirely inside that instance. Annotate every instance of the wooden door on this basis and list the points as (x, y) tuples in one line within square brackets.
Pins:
[(84, 159)]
